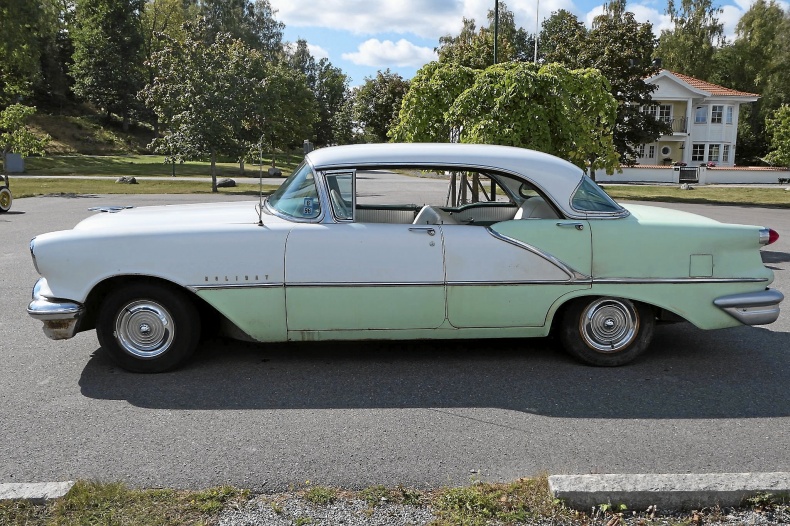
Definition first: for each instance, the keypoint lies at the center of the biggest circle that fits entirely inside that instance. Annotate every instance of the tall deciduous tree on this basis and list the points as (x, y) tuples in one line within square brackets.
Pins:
[(475, 49), (562, 38), (622, 50), (253, 22), (377, 103), (424, 113), (20, 26), (331, 92), (108, 60), (202, 95), (690, 45)]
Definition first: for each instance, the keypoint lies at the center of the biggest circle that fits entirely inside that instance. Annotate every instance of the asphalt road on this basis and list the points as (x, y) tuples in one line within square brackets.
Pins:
[(413, 413)]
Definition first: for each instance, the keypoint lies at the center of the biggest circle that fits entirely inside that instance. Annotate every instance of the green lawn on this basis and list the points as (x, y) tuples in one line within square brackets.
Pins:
[(24, 187), (768, 197), (148, 165)]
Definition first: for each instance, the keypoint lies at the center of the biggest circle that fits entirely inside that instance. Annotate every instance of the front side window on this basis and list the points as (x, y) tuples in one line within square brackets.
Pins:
[(590, 197), (716, 114), (701, 115), (698, 152), (297, 197)]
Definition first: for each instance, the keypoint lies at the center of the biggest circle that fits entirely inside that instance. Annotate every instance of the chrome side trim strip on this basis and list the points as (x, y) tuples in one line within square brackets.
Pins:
[(525, 282), (196, 288), (573, 275), (632, 281), (366, 284)]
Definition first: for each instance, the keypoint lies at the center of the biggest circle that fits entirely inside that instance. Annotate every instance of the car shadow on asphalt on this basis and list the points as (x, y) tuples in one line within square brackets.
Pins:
[(685, 374)]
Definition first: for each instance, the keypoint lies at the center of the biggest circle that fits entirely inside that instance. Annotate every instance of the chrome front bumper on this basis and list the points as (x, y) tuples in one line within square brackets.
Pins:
[(60, 318), (752, 308)]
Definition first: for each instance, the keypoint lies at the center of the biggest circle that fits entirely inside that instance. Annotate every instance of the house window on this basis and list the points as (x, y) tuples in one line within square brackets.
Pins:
[(698, 152), (640, 151), (665, 112), (701, 115), (716, 114), (725, 154), (728, 118), (713, 152), (651, 151)]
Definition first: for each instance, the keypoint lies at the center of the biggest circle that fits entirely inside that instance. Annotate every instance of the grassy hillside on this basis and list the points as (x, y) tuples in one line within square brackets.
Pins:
[(90, 134)]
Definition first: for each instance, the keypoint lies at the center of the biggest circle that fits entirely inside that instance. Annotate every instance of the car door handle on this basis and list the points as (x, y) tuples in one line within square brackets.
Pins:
[(429, 231), (577, 226)]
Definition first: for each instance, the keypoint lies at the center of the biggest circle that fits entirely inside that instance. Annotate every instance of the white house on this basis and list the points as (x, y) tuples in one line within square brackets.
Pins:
[(704, 120)]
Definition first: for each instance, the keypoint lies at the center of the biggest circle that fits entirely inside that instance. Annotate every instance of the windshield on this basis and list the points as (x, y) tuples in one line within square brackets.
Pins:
[(590, 197), (297, 197)]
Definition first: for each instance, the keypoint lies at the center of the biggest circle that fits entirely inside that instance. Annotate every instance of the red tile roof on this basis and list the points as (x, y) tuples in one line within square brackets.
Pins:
[(713, 89)]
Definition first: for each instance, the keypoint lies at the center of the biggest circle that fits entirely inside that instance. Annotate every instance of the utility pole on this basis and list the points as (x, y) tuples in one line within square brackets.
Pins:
[(496, 27)]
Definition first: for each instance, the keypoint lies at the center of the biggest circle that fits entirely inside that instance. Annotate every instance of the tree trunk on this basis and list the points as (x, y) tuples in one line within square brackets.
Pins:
[(241, 167), (213, 172), (125, 125)]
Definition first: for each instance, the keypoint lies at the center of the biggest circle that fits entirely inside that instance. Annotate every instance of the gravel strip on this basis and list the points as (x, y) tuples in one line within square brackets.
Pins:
[(289, 509)]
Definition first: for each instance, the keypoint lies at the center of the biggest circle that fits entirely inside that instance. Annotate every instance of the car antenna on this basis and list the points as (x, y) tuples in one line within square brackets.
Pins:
[(260, 182)]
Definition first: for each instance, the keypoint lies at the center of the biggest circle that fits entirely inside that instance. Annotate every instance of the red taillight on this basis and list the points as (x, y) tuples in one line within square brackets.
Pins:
[(768, 236)]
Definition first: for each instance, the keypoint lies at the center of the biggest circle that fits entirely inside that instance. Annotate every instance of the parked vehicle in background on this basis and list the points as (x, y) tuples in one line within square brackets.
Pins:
[(5, 195), (521, 244)]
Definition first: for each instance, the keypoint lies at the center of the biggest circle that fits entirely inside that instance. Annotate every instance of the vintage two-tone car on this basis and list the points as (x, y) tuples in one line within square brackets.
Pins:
[(498, 242)]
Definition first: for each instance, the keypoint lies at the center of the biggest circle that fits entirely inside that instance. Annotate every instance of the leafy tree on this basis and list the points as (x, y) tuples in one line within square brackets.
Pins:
[(344, 126), (14, 136), (108, 63), (690, 45), (203, 94), (622, 50), (283, 109), (253, 22), (331, 92), (521, 104), (758, 61), (778, 127), (20, 22), (302, 60), (377, 103), (424, 113), (562, 38), (475, 49)]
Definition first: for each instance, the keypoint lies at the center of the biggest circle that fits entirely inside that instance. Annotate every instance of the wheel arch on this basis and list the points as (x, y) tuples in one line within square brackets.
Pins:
[(209, 316)]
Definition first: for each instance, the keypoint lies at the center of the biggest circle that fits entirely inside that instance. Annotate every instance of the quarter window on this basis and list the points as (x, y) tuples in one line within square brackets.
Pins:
[(698, 152), (716, 114), (297, 197), (590, 197)]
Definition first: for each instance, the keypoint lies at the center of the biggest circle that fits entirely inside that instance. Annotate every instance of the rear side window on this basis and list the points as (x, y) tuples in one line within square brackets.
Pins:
[(590, 197)]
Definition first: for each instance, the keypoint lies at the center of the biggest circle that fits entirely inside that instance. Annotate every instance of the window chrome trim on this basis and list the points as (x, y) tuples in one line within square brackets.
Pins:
[(573, 274)]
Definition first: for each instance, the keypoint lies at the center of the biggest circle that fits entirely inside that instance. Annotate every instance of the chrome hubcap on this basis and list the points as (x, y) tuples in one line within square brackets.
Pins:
[(609, 325), (144, 329)]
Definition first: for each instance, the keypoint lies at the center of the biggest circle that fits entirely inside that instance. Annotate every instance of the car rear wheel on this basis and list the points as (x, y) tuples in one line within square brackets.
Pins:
[(606, 331), (5, 200), (147, 328)]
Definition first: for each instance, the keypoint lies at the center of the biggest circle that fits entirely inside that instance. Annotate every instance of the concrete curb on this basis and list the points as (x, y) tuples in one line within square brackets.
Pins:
[(34, 491), (667, 491)]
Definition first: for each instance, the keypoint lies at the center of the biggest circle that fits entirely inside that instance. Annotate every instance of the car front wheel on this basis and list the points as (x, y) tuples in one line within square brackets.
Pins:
[(5, 200), (606, 331), (147, 328)]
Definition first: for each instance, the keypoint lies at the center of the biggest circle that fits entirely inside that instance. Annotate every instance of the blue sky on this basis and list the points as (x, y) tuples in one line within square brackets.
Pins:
[(364, 36)]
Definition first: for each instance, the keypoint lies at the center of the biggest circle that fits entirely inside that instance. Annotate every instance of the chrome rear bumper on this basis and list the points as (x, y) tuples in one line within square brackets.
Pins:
[(60, 318), (752, 308)]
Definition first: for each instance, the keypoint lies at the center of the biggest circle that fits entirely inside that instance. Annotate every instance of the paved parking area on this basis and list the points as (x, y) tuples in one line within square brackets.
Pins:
[(416, 413)]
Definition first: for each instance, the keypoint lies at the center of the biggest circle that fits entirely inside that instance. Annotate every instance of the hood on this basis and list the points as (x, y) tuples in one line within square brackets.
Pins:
[(177, 216)]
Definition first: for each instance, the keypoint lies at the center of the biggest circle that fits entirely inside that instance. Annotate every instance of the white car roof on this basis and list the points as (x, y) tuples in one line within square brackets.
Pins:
[(557, 177)]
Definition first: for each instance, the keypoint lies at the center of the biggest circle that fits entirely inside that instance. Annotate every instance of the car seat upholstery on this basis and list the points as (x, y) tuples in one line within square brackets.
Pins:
[(535, 208)]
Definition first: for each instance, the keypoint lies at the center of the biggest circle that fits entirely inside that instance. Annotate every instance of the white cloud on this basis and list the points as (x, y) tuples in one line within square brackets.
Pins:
[(317, 51), (402, 53)]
